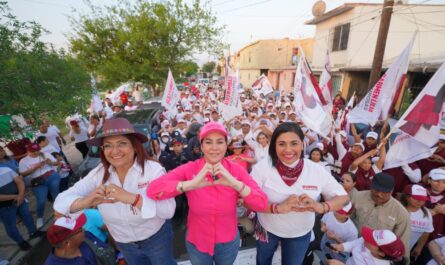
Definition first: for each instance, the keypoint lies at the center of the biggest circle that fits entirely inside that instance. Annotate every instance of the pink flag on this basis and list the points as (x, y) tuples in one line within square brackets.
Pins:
[(377, 102)]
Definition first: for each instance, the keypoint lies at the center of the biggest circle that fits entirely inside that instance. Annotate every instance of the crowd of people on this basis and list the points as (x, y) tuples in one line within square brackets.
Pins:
[(263, 170)]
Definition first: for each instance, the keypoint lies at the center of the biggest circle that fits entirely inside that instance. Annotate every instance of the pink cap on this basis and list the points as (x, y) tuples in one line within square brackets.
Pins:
[(386, 240), (416, 192), (212, 127)]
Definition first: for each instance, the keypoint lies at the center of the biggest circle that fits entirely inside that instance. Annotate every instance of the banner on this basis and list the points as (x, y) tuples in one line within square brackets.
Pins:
[(307, 102), (419, 127), (171, 95), (404, 150), (377, 102), (343, 119), (262, 86), (325, 83), (231, 97)]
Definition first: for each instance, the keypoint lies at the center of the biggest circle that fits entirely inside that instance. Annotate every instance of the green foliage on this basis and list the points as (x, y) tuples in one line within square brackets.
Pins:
[(208, 67), (36, 80), (141, 41)]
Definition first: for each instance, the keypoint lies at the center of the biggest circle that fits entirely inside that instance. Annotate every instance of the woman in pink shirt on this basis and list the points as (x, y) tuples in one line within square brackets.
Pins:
[(212, 185)]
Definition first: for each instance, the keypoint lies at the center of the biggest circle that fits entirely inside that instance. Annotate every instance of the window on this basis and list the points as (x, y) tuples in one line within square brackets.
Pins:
[(341, 37), (336, 81)]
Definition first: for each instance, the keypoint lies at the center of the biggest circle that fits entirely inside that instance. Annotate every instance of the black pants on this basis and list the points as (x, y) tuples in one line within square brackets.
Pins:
[(83, 148)]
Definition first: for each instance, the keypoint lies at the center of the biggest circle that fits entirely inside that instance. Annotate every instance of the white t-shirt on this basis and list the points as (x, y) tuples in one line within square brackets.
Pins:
[(80, 137), (28, 162), (420, 224), (313, 181), (361, 255), (345, 231)]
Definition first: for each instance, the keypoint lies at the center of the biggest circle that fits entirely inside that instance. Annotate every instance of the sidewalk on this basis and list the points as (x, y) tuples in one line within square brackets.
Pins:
[(8, 248)]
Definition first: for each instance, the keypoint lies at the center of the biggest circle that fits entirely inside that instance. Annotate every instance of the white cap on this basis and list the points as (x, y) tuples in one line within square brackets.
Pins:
[(373, 135), (361, 145), (292, 112), (437, 174), (343, 133), (320, 146), (441, 136), (165, 134), (245, 122), (165, 123), (270, 104), (181, 120), (287, 104)]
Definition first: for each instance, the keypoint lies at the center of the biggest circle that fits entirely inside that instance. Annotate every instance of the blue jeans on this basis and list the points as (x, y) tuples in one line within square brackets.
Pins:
[(8, 216), (155, 250), (41, 192), (293, 250), (224, 253)]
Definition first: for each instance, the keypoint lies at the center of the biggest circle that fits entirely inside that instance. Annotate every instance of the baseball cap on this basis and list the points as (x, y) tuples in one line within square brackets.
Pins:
[(442, 136), (382, 182), (212, 127), (361, 145), (165, 123), (373, 135), (165, 134), (176, 141), (437, 174), (63, 228), (33, 147), (385, 240), (347, 210), (245, 122), (417, 192), (181, 121)]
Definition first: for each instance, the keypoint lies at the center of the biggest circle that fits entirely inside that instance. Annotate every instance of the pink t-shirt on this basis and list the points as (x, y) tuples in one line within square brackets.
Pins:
[(237, 160), (212, 217)]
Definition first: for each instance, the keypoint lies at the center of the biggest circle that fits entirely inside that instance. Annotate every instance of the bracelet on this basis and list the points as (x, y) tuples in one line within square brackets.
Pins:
[(275, 208), (242, 188), (138, 197), (181, 186), (271, 208), (324, 207)]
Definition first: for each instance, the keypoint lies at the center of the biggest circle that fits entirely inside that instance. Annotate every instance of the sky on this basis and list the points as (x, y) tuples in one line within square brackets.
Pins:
[(246, 20)]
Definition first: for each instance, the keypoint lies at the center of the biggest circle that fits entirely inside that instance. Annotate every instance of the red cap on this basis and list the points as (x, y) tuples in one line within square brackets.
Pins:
[(73, 122), (416, 192), (33, 147), (63, 228), (385, 240), (212, 127), (347, 210)]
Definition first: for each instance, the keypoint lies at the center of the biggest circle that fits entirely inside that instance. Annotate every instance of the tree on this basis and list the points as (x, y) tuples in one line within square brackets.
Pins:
[(35, 79), (208, 67), (141, 41)]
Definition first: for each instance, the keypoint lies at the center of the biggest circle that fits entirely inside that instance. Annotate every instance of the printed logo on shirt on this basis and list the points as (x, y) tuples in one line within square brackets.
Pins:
[(436, 199), (143, 185), (310, 187)]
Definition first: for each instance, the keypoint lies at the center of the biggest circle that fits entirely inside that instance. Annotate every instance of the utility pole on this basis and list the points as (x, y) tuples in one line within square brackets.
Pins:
[(379, 52)]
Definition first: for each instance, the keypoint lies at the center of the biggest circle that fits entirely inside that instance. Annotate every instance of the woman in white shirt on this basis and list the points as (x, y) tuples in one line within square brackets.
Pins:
[(260, 146), (79, 135), (293, 186), (139, 225)]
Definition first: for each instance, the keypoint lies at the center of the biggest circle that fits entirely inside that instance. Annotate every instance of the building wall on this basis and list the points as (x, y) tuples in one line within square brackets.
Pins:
[(282, 79), (365, 21), (261, 56)]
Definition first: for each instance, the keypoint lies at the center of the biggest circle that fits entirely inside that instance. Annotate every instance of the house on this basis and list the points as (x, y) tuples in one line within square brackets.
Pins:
[(349, 33), (276, 58)]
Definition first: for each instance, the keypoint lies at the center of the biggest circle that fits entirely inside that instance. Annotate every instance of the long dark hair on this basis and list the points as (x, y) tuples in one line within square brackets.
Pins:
[(140, 154), (284, 127)]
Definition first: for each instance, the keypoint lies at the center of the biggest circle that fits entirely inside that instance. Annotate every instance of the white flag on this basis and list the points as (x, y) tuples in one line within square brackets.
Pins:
[(262, 86), (419, 127), (308, 103), (96, 104), (171, 95), (325, 83), (115, 96), (377, 102)]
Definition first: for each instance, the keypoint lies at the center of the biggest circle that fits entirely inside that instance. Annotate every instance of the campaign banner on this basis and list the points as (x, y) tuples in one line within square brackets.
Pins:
[(171, 95)]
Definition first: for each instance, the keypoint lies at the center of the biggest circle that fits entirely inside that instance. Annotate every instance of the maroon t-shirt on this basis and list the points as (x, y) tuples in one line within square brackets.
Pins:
[(400, 179), (364, 178), (346, 162), (332, 148), (427, 165)]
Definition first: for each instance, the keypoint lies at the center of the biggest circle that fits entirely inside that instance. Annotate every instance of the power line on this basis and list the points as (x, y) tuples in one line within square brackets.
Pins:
[(249, 5)]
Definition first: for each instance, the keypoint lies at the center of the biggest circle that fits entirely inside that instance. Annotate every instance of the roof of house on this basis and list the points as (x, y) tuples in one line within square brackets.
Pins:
[(348, 6)]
